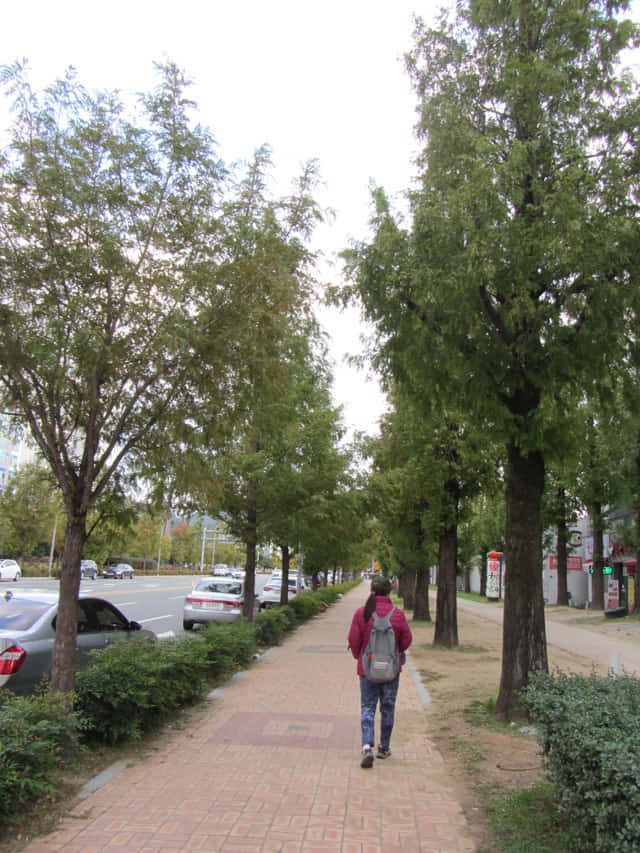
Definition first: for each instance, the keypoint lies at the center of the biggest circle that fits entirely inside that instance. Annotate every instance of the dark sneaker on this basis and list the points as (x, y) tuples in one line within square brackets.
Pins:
[(383, 752), (367, 757)]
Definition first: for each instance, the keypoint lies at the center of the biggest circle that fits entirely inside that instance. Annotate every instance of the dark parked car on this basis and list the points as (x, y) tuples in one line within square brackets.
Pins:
[(88, 569), (28, 631), (121, 570)]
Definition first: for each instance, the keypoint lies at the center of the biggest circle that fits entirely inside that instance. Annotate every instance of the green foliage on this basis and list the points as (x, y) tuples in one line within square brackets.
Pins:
[(229, 646), (305, 605), (589, 731), (132, 686), (29, 504), (270, 625), (39, 736)]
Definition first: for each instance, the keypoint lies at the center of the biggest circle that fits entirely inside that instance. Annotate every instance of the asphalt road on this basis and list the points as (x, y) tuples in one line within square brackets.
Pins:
[(154, 601)]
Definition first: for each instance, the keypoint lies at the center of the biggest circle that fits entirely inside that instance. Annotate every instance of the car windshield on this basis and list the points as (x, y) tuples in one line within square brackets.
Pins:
[(18, 615), (220, 587)]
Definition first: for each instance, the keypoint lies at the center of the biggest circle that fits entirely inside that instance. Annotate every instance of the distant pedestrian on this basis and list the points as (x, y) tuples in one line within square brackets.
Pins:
[(370, 692)]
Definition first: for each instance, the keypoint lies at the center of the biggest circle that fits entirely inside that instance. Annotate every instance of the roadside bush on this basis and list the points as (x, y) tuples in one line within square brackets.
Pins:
[(269, 626), (229, 647), (39, 737), (131, 686), (305, 605), (589, 732)]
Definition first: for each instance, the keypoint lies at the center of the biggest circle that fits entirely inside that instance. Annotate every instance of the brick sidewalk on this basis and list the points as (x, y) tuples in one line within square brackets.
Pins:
[(272, 764)]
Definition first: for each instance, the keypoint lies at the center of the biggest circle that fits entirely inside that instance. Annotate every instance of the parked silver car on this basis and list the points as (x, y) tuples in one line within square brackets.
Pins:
[(213, 599), (28, 631), (9, 570)]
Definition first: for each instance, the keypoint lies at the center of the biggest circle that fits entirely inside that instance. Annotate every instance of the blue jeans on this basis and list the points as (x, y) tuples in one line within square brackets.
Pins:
[(370, 695)]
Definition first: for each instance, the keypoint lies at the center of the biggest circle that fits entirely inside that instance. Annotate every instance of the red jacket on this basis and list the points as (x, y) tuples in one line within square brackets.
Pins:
[(360, 630)]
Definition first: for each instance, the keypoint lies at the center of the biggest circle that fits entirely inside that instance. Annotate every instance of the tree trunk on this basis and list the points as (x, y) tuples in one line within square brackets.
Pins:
[(421, 604), (597, 578), (563, 593), (63, 671), (446, 632), (524, 644), (467, 578), (251, 560), (483, 573), (284, 586), (408, 588)]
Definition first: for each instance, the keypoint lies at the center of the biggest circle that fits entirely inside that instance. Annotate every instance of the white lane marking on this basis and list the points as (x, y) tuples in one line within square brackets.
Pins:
[(155, 618)]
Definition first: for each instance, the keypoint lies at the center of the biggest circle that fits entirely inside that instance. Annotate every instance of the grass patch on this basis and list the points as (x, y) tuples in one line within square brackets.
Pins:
[(529, 821), (482, 714), (467, 750), (465, 650), (430, 675)]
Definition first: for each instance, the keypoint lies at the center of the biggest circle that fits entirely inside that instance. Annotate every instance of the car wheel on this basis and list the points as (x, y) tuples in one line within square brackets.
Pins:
[(188, 626)]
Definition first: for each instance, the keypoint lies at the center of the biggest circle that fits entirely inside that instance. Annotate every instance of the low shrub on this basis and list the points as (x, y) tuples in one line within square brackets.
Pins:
[(229, 647), (269, 626), (40, 735), (305, 605), (131, 686), (589, 732)]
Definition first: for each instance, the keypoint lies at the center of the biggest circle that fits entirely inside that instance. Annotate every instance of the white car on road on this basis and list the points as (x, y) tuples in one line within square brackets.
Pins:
[(270, 594), (9, 570)]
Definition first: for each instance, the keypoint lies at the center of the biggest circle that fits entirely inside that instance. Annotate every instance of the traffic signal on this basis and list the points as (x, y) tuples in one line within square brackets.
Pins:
[(606, 570)]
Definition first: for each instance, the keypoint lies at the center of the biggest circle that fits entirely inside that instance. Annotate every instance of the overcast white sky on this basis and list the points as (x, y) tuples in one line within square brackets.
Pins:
[(312, 79)]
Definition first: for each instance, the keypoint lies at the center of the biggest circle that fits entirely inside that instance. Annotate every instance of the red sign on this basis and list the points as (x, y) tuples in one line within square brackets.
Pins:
[(574, 564)]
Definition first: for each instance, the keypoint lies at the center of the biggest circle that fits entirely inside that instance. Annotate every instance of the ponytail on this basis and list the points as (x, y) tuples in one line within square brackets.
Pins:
[(369, 607)]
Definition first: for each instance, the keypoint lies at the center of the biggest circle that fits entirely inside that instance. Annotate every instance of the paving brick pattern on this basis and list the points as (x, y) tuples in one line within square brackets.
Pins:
[(273, 766)]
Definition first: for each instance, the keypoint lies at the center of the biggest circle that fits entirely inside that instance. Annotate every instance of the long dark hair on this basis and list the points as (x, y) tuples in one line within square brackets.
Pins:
[(379, 586)]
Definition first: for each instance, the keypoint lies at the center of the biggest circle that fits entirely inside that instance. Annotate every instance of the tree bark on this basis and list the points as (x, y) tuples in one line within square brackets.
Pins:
[(421, 606), (408, 587), (446, 631), (63, 671), (251, 559), (483, 573), (284, 587), (524, 644)]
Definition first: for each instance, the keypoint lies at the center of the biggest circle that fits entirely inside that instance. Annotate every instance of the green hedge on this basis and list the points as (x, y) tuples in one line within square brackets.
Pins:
[(589, 728), (131, 686), (39, 736)]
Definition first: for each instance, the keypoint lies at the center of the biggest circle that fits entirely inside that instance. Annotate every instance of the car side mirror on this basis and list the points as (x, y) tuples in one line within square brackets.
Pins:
[(135, 626)]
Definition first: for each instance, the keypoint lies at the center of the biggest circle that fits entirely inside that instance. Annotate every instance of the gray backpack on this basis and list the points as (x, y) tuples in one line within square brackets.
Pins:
[(380, 659)]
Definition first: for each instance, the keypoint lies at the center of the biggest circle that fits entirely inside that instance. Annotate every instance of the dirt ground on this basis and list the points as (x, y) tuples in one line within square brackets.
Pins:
[(484, 758)]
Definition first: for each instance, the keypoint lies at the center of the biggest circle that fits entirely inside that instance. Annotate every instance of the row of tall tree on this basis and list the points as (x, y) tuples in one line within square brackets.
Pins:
[(157, 329), (507, 307)]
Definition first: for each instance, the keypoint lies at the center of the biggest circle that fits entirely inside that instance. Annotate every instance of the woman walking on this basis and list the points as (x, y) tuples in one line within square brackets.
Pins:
[(372, 692)]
